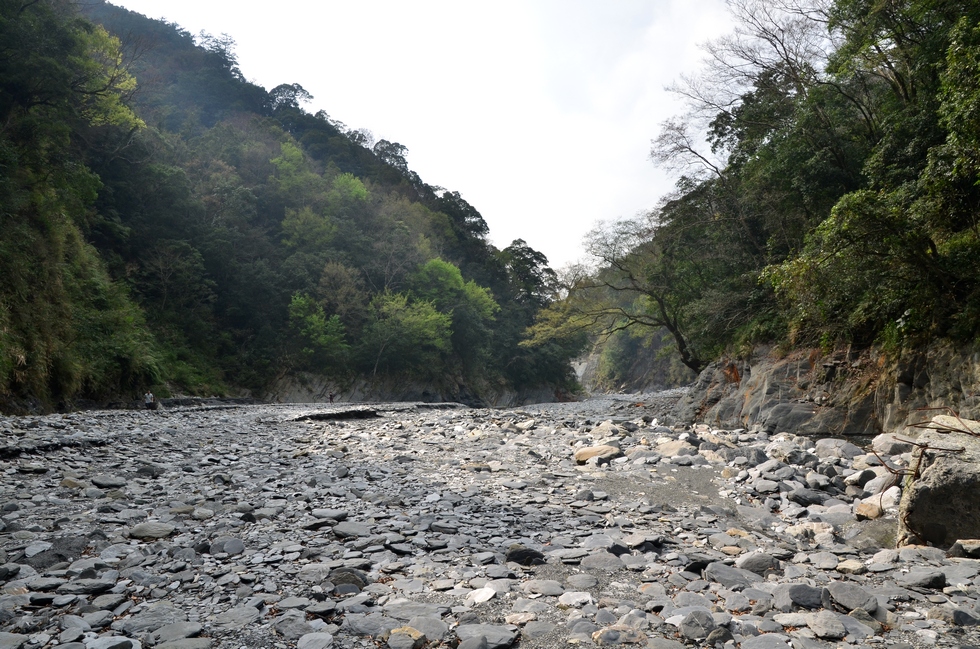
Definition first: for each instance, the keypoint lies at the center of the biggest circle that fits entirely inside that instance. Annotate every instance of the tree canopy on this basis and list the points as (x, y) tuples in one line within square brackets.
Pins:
[(827, 193)]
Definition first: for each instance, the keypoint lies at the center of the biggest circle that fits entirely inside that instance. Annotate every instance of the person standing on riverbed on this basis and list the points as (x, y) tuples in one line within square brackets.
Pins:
[(149, 401)]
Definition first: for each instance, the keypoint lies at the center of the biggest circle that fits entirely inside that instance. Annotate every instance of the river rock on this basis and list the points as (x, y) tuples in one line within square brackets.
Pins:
[(152, 530), (618, 552), (604, 452)]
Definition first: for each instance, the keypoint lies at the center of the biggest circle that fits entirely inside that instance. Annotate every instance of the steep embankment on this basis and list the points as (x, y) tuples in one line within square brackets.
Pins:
[(844, 393)]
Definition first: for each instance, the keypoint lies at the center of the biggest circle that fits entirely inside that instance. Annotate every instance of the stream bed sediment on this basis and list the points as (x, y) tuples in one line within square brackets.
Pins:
[(589, 523)]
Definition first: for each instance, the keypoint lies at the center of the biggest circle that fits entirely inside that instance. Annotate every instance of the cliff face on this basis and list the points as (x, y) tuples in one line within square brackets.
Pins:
[(313, 388), (845, 393)]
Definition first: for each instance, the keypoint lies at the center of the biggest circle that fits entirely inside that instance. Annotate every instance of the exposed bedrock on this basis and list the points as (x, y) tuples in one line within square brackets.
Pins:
[(845, 393)]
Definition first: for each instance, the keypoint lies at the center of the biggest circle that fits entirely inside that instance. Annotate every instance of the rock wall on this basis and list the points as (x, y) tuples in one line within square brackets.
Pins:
[(845, 393), (313, 388), (648, 372)]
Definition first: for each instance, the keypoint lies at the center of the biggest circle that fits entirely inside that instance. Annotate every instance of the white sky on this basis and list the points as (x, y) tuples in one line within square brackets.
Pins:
[(538, 112)]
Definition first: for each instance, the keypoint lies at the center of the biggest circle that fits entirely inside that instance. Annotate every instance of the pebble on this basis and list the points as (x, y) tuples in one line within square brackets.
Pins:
[(437, 525)]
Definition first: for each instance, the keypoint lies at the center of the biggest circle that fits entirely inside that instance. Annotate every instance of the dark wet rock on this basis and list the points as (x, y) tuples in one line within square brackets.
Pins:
[(524, 556)]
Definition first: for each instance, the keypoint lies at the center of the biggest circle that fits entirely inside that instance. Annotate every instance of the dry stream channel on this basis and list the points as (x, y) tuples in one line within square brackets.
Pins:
[(435, 525)]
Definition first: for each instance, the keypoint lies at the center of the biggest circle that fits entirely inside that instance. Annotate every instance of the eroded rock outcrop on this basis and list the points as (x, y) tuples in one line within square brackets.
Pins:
[(845, 393)]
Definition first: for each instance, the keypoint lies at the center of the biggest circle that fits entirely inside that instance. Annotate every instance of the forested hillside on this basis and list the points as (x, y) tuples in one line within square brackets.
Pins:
[(828, 192), (168, 225)]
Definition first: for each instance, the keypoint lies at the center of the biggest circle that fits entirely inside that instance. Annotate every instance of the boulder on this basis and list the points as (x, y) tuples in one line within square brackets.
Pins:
[(940, 506), (583, 455)]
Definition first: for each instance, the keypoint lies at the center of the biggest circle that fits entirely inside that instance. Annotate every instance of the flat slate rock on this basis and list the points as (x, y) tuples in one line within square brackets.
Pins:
[(497, 636), (12, 640), (153, 618), (186, 643), (730, 577), (151, 530), (237, 618), (315, 641)]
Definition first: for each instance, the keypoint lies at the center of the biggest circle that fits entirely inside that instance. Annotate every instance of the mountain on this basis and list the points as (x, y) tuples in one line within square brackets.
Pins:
[(168, 225)]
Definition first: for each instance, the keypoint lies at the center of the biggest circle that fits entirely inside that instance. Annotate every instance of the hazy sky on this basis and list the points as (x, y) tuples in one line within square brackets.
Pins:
[(539, 112)]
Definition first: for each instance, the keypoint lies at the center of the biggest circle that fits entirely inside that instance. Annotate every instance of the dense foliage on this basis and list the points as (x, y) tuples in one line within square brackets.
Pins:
[(835, 198), (167, 224)]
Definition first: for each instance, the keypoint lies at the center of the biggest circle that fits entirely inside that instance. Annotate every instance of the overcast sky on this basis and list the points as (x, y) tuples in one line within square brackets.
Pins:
[(539, 112)]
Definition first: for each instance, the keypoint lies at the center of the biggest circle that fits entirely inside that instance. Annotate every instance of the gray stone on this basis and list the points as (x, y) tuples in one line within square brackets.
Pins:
[(697, 624), (757, 562), (109, 481), (153, 618), (237, 618), (477, 642), (582, 580), (349, 529), (923, 578), (890, 444), (730, 577), (953, 615), (826, 625), (151, 531), (177, 631), (292, 626), (12, 640), (766, 641), (374, 624), (406, 610), (851, 596), (331, 514), (228, 544), (939, 506), (824, 560), (111, 642), (543, 587), (185, 643), (602, 561), (836, 447), (86, 586), (497, 636), (314, 641), (787, 596), (537, 629), (433, 627)]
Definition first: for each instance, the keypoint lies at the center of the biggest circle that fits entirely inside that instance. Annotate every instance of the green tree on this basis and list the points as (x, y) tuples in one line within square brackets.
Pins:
[(470, 306), (68, 330), (324, 348), (406, 337)]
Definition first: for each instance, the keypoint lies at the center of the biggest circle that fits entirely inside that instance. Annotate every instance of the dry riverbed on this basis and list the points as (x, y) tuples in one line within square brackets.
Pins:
[(414, 525)]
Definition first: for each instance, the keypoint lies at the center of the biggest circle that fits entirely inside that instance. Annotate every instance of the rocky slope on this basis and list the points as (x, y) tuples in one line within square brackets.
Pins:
[(844, 393), (425, 526)]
